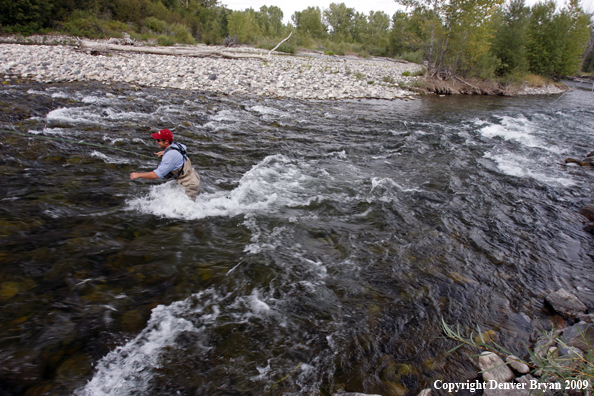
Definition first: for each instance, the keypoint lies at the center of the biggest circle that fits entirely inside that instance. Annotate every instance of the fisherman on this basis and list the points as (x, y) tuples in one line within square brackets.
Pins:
[(174, 163)]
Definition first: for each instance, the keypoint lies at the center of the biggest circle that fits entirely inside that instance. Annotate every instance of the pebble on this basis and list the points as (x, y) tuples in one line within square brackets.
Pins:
[(280, 76)]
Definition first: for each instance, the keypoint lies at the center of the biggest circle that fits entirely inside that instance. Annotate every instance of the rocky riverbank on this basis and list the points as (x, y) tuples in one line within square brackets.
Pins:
[(309, 75), (304, 77)]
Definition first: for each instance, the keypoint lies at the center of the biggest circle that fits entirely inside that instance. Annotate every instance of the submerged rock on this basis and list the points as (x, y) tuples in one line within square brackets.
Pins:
[(565, 303), (579, 336)]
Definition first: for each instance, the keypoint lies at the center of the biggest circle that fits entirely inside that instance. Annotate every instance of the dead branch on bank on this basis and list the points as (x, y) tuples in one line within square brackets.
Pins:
[(470, 85), (96, 48), (278, 45)]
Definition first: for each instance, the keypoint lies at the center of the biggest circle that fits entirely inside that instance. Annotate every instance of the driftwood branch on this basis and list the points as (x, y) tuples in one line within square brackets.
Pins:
[(278, 45), (189, 52), (470, 85)]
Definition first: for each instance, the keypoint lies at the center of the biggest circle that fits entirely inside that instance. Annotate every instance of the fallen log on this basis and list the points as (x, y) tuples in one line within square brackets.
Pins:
[(174, 51)]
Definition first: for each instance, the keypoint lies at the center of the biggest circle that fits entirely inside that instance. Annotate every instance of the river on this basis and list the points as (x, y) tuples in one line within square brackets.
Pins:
[(329, 241)]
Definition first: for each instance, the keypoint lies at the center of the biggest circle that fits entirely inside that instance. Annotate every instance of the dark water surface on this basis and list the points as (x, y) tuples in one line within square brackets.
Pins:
[(328, 242)]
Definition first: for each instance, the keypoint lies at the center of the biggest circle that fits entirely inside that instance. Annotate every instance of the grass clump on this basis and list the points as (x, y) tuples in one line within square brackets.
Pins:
[(535, 81), (545, 361)]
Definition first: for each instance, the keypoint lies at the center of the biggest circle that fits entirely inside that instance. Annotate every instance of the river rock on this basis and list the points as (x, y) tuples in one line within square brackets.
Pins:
[(588, 212), (565, 303), (425, 392), (494, 368), (580, 336), (587, 318), (515, 363)]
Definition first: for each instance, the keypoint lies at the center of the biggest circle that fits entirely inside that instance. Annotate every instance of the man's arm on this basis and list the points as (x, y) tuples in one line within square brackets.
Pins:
[(145, 175)]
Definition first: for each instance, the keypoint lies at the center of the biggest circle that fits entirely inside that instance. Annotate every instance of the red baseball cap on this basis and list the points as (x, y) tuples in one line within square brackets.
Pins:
[(163, 134)]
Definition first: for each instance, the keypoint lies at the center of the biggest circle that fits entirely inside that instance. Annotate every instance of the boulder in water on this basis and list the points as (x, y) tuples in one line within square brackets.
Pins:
[(566, 304)]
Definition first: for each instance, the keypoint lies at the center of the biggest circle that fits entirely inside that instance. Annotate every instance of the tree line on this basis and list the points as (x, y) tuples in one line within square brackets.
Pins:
[(482, 38)]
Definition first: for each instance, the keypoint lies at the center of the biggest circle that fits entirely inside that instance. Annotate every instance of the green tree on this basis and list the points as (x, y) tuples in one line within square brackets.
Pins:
[(509, 43), (270, 20), (576, 25), (243, 24), (378, 29), (341, 19), (458, 35), (408, 32), (309, 22), (557, 40), (543, 50), (26, 16)]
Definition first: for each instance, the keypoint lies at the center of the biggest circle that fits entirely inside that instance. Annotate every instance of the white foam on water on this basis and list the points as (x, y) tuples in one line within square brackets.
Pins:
[(112, 140), (518, 129), (50, 131), (274, 183), (61, 95), (225, 118), (256, 304), (72, 116), (337, 154), (37, 92), (101, 100), (515, 165), (128, 368), (90, 115), (388, 183), (229, 115), (109, 160), (270, 111)]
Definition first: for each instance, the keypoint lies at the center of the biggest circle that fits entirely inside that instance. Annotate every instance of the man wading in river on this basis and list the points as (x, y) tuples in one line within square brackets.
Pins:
[(174, 163)]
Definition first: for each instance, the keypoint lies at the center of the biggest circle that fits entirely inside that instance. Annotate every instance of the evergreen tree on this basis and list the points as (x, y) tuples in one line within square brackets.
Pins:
[(557, 40), (509, 44)]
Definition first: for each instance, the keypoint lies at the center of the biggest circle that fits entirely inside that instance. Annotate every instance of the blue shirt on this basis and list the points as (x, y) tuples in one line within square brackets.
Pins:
[(171, 160)]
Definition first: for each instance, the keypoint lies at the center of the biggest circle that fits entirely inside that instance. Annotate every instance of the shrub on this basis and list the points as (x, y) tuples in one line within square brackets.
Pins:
[(156, 25), (414, 57), (87, 25), (165, 40), (182, 34), (406, 73), (286, 48)]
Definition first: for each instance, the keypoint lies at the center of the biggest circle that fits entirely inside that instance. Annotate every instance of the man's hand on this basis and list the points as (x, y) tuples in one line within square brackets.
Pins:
[(160, 154)]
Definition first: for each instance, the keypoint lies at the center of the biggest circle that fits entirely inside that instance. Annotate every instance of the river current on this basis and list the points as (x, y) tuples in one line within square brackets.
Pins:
[(329, 241)]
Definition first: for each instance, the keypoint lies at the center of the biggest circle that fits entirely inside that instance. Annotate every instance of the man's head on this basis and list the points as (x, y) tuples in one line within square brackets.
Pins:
[(164, 138), (163, 134)]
